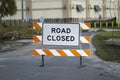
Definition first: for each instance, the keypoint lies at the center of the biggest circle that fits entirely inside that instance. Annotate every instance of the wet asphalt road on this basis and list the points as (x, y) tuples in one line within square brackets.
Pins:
[(21, 65)]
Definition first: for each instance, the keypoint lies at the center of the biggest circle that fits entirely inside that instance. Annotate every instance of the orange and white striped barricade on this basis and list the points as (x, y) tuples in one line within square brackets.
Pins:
[(61, 52)]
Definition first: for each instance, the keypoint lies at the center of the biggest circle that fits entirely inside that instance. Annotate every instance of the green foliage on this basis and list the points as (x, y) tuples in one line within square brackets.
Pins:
[(7, 7), (106, 35), (19, 32), (108, 52)]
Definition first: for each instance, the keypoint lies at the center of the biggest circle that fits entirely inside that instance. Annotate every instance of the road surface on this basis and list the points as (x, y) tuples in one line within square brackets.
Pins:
[(20, 64)]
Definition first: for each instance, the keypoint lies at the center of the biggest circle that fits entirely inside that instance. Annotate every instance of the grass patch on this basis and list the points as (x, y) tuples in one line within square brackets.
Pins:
[(85, 30), (20, 31), (108, 52)]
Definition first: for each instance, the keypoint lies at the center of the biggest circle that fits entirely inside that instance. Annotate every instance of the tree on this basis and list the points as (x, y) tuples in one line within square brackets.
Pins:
[(7, 7)]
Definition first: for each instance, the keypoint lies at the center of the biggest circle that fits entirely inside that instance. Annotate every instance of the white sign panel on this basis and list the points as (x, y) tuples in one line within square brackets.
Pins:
[(61, 34)]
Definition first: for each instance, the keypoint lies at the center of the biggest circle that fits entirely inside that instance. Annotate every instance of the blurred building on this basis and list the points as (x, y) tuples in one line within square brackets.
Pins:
[(83, 9)]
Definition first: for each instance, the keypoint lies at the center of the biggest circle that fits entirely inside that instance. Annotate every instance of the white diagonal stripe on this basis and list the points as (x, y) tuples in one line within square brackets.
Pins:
[(40, 52), (39, 37), (82, 53), (83, 40), (34, 27), (84, 26), (55, 53), (40, 24), (68, 52)]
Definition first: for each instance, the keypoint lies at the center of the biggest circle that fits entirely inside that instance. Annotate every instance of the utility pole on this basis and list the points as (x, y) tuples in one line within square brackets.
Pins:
[(87, 9), (104, 9), (118, 10), (67, 12), (29, 8), (22, 13)]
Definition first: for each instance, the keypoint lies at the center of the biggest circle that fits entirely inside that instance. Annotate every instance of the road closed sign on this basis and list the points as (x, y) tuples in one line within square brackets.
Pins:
[(61, 34)]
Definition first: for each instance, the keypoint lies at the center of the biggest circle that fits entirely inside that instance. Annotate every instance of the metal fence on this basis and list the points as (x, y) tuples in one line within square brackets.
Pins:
[(48, 20), (94, 23)]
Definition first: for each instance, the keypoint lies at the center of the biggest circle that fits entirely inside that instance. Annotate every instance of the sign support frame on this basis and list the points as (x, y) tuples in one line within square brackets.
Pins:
[(80, 60), (42, 65), (80, 48)]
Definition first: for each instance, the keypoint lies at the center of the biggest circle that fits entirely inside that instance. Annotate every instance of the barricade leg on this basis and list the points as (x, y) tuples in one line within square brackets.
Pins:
[(80, 60), (42, 61)]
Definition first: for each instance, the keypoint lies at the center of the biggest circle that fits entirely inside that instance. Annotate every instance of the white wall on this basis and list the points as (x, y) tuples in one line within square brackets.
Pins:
[(94, 14), (53, 9), (74, 11), (47, 9), (112, 12), (47, 14)]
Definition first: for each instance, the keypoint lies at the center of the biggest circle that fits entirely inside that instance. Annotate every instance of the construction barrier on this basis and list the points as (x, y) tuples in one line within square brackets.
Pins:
[(83, 39), (60, 52)]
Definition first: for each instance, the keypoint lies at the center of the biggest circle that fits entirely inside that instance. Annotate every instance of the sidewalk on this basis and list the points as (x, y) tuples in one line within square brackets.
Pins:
[(108, 30)]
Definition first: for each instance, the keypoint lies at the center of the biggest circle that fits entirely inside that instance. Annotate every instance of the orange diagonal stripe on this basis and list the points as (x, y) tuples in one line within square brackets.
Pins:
[(48, 52), (81, 41), (61, 52), (75, 53), (36, 39), (81, 28), (37, 26), (88, 38), (35, 53), (88, 24), (87, 52)]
